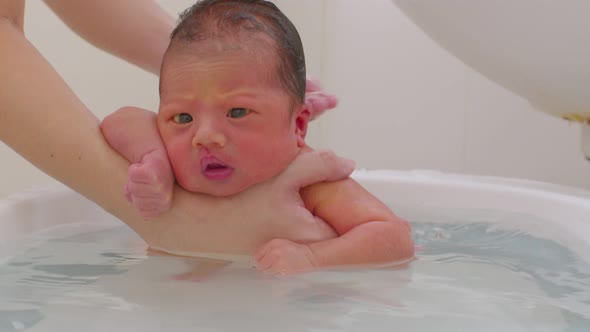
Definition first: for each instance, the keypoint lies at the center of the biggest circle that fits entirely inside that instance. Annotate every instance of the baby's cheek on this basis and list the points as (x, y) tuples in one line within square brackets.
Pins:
[(264, 167), (182, 165), (187, 179)]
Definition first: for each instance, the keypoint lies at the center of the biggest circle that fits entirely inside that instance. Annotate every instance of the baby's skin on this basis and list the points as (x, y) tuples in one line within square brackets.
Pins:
[(233, 113)]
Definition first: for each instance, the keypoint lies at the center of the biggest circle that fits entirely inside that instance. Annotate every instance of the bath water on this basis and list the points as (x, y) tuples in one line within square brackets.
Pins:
[(468, 277)]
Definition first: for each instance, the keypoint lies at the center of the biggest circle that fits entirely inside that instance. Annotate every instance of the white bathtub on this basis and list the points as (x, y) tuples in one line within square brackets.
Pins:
[(562, 213), (558, 213)]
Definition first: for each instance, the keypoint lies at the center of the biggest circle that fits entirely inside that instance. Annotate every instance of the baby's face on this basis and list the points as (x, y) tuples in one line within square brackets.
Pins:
[(225, 121)]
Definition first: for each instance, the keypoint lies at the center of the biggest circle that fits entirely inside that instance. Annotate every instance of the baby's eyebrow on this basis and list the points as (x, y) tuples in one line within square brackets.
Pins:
[(249, 93), (174, 107)]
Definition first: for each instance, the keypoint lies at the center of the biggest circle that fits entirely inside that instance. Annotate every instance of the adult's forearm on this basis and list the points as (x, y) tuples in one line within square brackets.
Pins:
[(13, 12), (135, 30), (42, 120)]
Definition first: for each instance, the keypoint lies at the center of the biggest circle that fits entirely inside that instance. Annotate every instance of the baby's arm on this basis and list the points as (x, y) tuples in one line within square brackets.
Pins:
[(133, 133), (369, 232)]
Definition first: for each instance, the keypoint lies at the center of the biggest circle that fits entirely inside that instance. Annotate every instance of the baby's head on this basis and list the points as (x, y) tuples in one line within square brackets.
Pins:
[(232, 90)]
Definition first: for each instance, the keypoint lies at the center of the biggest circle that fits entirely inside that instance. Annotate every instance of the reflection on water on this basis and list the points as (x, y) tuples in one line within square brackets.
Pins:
[(468, 277)]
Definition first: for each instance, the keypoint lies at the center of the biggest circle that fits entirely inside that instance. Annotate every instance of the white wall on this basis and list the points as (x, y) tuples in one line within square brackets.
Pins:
[(405, 102)]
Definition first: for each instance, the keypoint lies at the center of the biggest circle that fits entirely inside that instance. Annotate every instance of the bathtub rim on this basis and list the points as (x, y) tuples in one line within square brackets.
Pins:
[(419, 190)]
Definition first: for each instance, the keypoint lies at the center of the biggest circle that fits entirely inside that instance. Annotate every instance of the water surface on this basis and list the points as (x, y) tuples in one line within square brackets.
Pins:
[(469, 277)]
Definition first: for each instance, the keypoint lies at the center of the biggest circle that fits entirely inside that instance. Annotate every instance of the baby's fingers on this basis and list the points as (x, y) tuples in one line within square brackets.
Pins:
[(139, 173)]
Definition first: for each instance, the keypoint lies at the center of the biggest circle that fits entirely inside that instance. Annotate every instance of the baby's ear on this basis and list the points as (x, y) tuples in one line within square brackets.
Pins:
[(302, 116)]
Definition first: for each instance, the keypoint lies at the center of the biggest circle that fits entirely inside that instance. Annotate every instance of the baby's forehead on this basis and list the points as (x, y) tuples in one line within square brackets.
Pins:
[(257, 53), (226, 41)]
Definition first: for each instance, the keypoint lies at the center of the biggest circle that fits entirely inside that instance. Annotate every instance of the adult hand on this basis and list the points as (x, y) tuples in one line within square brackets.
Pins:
[(285, 257), (241, 223), (317, 100)]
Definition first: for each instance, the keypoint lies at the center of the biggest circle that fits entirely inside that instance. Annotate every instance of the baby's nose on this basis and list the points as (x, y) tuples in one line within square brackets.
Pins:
[(208, 138)]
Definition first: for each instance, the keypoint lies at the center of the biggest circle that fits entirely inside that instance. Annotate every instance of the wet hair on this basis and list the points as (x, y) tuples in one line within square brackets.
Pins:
[(211, 19)]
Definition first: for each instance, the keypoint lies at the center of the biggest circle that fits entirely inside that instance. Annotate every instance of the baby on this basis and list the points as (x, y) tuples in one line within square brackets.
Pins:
[(232, 114)]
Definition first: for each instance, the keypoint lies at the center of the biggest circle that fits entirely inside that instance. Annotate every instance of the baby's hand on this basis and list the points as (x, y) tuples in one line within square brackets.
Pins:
[(150, 184), (283, 257)]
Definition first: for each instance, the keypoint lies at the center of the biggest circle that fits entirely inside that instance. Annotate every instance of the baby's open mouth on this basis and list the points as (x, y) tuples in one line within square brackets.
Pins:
[(215, 170), (214, 166)]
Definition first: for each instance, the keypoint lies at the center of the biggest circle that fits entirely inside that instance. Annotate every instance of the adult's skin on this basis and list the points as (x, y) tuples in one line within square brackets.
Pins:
[(43, 120), (137, 31)]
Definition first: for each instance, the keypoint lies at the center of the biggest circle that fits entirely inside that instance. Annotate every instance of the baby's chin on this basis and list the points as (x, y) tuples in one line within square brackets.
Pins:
[(220, 190)]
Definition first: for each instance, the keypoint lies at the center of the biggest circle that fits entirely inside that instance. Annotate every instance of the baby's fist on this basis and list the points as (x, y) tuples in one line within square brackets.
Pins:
[(150, 185)]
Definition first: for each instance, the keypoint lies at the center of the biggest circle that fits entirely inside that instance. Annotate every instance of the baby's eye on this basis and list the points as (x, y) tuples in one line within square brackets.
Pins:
[(238, 112), (182, 118)]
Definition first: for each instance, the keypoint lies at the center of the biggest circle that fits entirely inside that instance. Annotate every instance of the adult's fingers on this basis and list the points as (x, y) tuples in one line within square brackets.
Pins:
[(319, 102), (316, 166)]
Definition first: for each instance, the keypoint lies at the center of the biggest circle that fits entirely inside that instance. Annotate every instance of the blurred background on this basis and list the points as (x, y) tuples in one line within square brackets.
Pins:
[(405, 102)]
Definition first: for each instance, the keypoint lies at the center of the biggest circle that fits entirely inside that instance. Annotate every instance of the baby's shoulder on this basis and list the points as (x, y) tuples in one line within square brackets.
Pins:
[(322, 193)]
